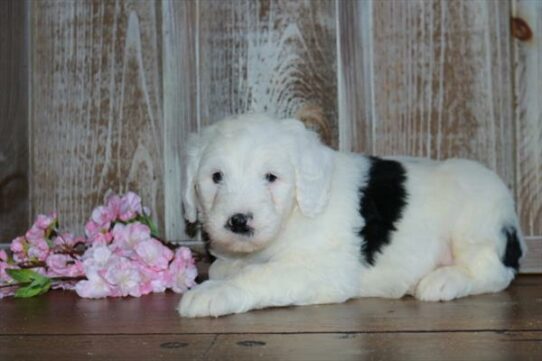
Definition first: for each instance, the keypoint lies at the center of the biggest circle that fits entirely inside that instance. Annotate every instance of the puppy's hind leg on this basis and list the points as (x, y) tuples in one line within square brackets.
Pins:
[(482, 273)]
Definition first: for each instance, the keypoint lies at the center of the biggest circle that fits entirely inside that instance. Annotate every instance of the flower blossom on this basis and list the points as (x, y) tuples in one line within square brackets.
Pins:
[(121, 257), (64, 266), (127, 237), (154, 254), (130, 206), (183, 270)]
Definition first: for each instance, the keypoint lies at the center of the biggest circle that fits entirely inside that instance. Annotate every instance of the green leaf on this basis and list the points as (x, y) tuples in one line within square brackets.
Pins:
[(37, 287), (26, 276), (147, 220), (21, 275)]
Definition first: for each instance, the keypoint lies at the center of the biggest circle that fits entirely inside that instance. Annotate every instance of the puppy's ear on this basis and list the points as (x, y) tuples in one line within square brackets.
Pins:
[(192, 157), (314, 165)]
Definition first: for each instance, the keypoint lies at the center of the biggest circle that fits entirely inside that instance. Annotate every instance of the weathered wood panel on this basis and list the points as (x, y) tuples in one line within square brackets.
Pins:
[(533, 260), (461, 346), (427, 78), (527, 45), (270, 56), (96, 113), (14, 169), (180, 78)]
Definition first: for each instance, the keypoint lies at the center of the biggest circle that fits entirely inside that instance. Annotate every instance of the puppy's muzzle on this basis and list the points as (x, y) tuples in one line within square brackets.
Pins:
[(238, 223)]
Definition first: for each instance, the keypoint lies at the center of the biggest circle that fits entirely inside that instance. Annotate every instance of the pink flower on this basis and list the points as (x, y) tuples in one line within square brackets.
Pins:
[(123, 258), (35, 234), (96, 257), (97, 233), (183, 270), (38, 249), (126, 237), (113, 204), (19, 247), (4, 277), (101, 239), (125, 276), (162, 281), (154, 254), (64, 265), (64, 285), (130, 206), (154, 281), (95, 262), (94, 287), (67, 241), (44, 222), (102, 217)]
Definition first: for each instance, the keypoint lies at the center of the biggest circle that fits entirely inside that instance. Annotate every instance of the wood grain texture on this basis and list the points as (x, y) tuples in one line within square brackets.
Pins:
[(180, 83), (269, 56), (64, 313), (461, 346), (96, 115), (533, 260), (427, 78), (14, 167), (528, 116)]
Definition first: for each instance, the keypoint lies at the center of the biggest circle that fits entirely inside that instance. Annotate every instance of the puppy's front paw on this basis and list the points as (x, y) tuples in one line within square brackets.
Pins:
[(213, 298)]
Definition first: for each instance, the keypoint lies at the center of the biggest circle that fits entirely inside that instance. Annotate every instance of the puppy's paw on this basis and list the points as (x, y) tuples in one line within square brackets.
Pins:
[(443, 284), (213, 298)]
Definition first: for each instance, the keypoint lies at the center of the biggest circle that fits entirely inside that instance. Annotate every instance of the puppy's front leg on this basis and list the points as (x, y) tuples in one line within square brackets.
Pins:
[(222, 269), (264, 285)]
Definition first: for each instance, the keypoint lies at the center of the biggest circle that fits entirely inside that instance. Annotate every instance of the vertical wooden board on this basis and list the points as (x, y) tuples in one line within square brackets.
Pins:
[(532, 262), (354, 73), (436, 80), (179, 21), (528, 112), (268, 56), (96, 114), (14, 171)]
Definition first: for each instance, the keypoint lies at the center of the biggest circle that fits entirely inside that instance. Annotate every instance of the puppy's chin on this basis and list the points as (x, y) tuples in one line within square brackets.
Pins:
[(229, 243)]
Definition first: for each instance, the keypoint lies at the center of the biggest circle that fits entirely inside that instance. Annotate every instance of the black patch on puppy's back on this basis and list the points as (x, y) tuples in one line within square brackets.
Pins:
[(382, 200), (513, 252)]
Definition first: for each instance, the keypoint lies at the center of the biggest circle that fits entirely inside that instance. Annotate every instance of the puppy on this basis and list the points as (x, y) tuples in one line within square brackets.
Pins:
[(293, 222)]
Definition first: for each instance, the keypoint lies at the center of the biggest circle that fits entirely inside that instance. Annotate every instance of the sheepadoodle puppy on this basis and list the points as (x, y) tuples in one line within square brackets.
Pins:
[(293, 222)]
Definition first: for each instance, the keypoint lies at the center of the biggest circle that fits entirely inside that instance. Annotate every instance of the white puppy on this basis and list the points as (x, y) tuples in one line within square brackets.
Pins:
[(293, 222)]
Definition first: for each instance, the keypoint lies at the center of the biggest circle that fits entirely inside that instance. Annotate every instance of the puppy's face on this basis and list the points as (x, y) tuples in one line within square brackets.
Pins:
[(246, 189), (244, 176)]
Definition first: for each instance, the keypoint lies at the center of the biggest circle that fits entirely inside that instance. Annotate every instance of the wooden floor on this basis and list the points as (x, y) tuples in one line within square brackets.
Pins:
[(61, 326)]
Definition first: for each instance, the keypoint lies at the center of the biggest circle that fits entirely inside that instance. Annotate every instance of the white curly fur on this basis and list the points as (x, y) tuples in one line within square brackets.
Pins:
[(304, 248)]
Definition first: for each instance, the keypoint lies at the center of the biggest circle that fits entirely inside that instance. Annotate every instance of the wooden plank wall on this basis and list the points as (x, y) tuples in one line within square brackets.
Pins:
[(527, 48), (14, 168), (116, 87), (96, 111), (268, 56)]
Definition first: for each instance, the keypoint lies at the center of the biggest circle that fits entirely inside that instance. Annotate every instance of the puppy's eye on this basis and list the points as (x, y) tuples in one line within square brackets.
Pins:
[(270, 177), (217, 177)]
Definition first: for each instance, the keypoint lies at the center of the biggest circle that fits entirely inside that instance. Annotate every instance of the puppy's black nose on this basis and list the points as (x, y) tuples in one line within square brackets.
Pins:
[(238, 223)]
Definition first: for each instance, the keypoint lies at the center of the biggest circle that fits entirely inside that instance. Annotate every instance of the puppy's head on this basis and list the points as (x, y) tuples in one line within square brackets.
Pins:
[(246, 175)]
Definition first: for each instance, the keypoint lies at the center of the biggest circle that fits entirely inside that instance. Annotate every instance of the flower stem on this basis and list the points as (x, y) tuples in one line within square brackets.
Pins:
[(53, 279)]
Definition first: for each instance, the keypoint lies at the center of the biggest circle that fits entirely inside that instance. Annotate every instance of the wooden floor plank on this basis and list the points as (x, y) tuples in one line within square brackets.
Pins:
[(491, 346), (518, 308)]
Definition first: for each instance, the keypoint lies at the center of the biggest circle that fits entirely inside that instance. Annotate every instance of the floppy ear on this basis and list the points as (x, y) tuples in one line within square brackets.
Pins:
[(314, 165), (193, 152)]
